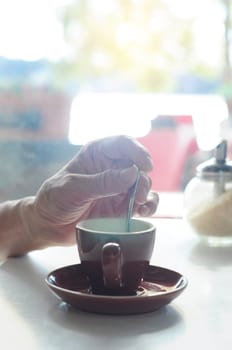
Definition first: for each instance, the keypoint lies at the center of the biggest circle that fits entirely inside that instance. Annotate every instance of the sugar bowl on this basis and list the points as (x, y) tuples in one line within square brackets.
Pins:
[(208, 199)]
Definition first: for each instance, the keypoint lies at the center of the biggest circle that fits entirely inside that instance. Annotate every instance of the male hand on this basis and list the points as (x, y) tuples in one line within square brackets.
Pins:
[(96, 182)]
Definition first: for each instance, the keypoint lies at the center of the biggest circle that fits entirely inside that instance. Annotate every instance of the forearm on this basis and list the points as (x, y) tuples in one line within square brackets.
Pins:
[(15, 238)]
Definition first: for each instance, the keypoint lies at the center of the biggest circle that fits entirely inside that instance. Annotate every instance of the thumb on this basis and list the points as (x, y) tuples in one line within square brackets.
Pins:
[(114, 181)]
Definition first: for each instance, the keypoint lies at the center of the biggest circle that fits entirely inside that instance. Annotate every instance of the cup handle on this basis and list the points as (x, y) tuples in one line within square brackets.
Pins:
[(111, 265)]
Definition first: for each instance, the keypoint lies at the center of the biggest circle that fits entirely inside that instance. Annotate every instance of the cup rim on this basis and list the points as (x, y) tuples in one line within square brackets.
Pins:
[(150, 226)]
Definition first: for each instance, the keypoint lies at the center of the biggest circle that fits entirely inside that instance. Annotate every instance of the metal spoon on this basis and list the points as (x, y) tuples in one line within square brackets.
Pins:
[(131, 202)]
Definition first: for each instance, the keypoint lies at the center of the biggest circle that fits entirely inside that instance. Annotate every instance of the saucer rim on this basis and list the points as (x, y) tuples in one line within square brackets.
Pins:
[(183, 285)]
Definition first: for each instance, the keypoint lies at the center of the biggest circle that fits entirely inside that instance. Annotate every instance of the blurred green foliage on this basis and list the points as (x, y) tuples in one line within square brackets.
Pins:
[(139, 44), (144, 46)]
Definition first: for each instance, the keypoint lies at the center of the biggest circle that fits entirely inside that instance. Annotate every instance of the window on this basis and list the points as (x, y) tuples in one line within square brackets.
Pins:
[(74, 79)]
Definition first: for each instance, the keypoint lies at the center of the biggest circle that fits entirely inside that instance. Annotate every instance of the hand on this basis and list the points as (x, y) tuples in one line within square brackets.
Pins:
[(96, 182)]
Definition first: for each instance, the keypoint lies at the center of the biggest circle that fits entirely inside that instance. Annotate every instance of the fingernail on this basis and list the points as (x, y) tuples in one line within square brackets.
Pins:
[(144, 210), (154, 196)]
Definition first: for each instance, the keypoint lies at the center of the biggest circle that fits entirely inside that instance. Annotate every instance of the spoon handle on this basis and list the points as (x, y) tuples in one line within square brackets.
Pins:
[(131, 202)]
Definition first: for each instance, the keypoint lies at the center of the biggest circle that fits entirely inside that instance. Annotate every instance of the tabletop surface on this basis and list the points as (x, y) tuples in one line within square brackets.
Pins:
[(200, 318)]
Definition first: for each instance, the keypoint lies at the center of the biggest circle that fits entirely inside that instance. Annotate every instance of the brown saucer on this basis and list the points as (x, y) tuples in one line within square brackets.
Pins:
[(159, 287)]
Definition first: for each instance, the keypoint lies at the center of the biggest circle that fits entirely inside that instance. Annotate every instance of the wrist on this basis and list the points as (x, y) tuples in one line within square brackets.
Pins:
[(34, 229), (20, 231), (42, 232)]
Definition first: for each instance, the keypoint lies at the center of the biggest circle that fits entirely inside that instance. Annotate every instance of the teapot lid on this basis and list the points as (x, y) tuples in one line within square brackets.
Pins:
[(218, 165)]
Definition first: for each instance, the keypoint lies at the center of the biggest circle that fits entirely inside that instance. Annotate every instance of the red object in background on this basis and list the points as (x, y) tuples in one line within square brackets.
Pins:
[(174, 150)]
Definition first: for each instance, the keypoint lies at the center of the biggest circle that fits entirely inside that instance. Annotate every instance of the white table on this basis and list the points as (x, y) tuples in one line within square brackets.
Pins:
[(200, 318)]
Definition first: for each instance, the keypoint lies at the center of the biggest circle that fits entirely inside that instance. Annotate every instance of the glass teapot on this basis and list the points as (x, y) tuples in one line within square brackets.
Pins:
[(208, 199)]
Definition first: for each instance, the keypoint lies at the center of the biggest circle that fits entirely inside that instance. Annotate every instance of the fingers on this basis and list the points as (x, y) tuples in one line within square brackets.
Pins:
[(113, 182), (118, 181), (78, 188), (116, 152), (126, 148), (144, 186), (108, 183), (150, 206)]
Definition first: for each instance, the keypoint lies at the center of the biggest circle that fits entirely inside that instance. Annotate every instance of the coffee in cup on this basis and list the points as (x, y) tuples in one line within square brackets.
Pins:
[(113, 258)]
